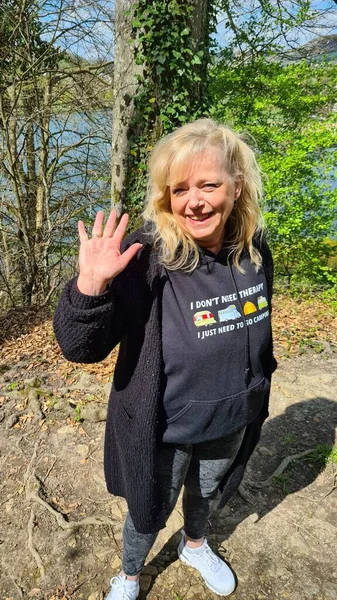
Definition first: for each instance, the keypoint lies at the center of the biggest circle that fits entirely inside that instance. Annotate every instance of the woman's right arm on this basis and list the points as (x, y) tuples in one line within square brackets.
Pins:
[(89, 320)]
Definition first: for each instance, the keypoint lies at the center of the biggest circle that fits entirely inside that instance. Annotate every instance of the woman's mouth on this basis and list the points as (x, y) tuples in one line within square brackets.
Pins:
[(200, 218)]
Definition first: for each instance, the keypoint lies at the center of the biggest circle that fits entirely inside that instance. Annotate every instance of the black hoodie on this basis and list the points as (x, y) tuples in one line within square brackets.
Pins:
[(215, 327)]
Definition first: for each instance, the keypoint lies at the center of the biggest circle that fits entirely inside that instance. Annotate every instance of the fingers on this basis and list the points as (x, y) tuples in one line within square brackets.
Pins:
[(82, 234), (98, 223), (109, 229), (129, 254), (110, 224), (120, 231)]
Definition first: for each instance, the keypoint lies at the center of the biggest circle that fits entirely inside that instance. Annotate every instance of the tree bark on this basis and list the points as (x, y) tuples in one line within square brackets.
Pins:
[(124, 88), (200, 34)]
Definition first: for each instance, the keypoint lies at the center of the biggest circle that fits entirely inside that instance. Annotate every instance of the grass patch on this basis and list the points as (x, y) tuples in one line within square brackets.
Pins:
[(281, 481), (323, 455), (290, 439), (12, 386)]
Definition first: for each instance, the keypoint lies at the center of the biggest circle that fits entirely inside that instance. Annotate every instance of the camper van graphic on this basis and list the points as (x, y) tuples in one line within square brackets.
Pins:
[(204, 317), (262, 302), (228, 314)]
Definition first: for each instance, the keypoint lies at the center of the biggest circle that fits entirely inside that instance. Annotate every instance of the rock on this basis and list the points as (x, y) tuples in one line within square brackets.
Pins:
[(86, 382), (62, 391), (179, 571), (93, 412), (2, 415), (296, 542), (196, 591), (7, 377), (14, 395), (94, 596), (116, 511), (22, 363), (65, 430), (82, 450), (150, 570), (263, 451), (71, 541), (107, 390), (145, 582), (73, 402), (62, 405), (102, 553), (9, 505), (33, 382), (12, 420), (115, 563), (34, 404)]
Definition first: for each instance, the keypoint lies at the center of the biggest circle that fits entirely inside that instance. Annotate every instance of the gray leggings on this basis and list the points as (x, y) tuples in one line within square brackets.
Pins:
[(200, 468)]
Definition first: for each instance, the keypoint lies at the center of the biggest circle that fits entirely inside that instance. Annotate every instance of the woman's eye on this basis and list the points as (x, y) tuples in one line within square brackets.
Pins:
[(178, 191), (210, 186)]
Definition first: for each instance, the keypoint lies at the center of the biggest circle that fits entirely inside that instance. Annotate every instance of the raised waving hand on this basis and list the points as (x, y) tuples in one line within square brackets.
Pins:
[(100, 257)]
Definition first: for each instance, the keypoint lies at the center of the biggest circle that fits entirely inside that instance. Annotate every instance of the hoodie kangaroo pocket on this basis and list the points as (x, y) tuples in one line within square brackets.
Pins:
[(204, 421)]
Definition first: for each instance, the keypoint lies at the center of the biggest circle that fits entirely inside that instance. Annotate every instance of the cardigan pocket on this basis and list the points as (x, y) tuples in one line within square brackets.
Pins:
[(125, 411)]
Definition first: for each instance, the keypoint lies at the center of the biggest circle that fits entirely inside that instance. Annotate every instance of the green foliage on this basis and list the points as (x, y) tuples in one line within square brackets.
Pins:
[(323, 455), (288, 109), (290, 439), (287, 106), (281, 482), (77, 413), (12, 386), (173, 86)]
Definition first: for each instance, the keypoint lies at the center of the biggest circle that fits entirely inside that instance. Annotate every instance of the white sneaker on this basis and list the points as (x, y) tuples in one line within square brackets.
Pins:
[(216, 574), (123, 589)]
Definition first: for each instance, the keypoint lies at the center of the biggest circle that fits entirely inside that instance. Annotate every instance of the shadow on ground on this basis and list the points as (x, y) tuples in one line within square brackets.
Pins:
[(305, 425)]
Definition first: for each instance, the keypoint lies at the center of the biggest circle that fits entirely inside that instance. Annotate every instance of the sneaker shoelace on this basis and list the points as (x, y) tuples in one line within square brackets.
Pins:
[(211, 559), (118, 582)]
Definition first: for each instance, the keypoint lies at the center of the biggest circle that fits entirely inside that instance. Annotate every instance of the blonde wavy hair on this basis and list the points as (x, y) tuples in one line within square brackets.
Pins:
[(178, 250)]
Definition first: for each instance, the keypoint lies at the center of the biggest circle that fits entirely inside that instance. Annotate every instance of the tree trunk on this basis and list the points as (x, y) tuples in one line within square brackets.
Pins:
[(124, 88), (200, 29), (126, 85)]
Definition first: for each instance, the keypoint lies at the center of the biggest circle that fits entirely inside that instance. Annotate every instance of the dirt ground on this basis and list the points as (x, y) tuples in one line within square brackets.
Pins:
[(61, 531)]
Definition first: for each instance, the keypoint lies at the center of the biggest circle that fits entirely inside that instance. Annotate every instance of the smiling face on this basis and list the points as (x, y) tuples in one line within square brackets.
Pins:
[(202, 199)]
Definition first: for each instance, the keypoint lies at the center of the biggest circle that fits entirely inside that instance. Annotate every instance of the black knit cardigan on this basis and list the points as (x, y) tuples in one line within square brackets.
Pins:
[(88, 328)]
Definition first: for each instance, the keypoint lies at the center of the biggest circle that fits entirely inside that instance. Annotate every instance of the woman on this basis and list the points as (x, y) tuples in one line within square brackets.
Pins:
[(188, 298)]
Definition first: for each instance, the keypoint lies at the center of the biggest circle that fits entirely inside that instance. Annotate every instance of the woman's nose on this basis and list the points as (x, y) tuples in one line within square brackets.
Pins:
[(194, 197)]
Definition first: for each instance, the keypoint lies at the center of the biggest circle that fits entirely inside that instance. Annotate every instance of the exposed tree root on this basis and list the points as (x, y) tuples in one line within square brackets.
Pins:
[(32, 487), (334, 486), (31, 546), (32, 493), (17, 586), (245, 495), (32, 459), (282, 467)]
